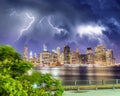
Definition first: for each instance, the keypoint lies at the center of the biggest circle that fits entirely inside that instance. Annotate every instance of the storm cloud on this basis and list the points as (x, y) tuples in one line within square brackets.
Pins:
[(78, 23)]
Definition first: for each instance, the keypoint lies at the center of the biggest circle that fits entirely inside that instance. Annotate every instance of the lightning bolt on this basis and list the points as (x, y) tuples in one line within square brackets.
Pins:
[(41, 20), (55, 28), (32, 18), (14, 12)]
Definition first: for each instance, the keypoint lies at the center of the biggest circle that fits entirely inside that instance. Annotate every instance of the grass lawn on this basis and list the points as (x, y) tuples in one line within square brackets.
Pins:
[(100, 92)]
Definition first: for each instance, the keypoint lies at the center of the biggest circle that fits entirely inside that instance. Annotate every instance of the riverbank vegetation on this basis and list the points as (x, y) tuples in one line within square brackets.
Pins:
[(18, 79)]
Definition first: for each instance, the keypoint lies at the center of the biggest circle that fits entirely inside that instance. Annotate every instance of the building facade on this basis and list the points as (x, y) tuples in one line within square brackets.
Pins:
[(100, 55), (67, 55), (45, 58), (53, 59), (74, 58), (109, 57), (90, 56), (25, 56)]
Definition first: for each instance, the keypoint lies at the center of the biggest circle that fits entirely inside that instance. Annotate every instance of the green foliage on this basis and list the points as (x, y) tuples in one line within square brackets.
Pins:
[(11, 87), (45, 82), (14, 69), (8, 52), (15, 80)]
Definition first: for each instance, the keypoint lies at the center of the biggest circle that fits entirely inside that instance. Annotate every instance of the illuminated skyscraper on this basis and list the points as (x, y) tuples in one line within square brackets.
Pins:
[(58, 50), (74, 58), (44, 47), (67, 55), (45, 58), (53, 59), (61, 58), (100, 55), (109, 57), (25, 53), (31, 57), (35, 58), (77, 50), (90, 56), (83, 59)]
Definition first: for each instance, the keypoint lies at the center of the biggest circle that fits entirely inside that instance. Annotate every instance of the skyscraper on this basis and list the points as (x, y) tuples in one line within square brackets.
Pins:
[(31, 57), (35, 58), (58, 50), (44, 47), (109, 57), (67, 55), (45, 58), (25, 53), (74, 58), (90, 56), (53, 59), (100, 55)]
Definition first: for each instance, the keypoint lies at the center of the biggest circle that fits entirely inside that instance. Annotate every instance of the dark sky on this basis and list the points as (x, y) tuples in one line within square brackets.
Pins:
[(78, 23)]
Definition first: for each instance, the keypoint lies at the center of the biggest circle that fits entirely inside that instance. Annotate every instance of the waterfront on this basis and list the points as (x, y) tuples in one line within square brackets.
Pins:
[(82, 73)]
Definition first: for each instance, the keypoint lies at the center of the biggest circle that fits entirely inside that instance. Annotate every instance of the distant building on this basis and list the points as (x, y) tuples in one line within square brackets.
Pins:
[(67, 55), (25, 57), (59, 55), (40, 58), (44, 47), (31, 57), (58, 50), (54, 59), (109, 57), (77, 50), (83, 59), (74, 57), (90, 56), (45, 58), (35, 58), (61, 58), (100, 55)]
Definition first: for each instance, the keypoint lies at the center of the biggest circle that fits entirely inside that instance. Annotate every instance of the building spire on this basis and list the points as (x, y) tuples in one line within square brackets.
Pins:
[(44, 47), (31, 55), (25, 53)]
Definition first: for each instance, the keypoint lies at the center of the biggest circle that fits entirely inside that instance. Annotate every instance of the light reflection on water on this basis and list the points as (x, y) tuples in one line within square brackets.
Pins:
[(83, 73)]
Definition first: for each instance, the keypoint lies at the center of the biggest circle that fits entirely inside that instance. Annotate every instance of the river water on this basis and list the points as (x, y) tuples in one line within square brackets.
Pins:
[(82, 73)]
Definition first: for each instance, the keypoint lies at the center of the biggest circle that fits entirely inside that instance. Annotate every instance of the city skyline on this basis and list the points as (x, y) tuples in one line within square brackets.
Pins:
[(78, 23), (46, 48), (99, 56)]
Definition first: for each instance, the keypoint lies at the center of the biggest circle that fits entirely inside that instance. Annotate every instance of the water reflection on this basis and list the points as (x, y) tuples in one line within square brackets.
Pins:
[(83, 73)]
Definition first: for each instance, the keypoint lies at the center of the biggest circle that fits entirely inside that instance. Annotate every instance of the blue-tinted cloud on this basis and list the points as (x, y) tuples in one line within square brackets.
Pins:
[(60, 22)]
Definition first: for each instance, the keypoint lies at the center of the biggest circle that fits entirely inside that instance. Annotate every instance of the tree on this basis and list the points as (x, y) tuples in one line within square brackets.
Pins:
[(45, 82), (8, 52), (15, 80)]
